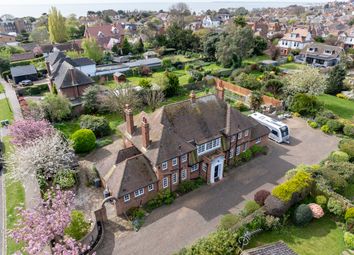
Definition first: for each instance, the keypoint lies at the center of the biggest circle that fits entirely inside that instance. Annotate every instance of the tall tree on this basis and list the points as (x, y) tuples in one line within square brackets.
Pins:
[(335, 80), (179, 11), (92, 50), (240, 21), (39, 34), (260, 45), (72, 26), (181, 39), (256, 100), (126, 47), (56, 26), (209, 45)]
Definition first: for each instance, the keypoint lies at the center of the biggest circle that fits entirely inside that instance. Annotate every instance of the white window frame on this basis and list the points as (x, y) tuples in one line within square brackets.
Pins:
[(151, 187), (174, 178), (239, 136), (195, 168), (184, 158), (175, 162), (165, 182), (246, 132), (233, 138), (184, 174), (204, 167), (209, 146), (139, 192), (258, 140), (232, 152), (245, 146), (164, 165), (238, 150), (126, 198)]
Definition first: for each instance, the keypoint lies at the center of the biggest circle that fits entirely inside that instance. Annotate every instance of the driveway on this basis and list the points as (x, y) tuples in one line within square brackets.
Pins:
[(170, 228)]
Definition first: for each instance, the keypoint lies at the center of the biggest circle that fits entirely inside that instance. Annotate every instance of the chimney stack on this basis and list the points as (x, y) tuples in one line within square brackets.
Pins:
[(47, 65), (220, 90), (145, 133), (193, 97), (72, 75), (129, 119)]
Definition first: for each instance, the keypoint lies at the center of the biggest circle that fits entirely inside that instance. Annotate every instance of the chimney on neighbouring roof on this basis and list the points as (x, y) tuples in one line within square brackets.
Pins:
[(47, 65), (192, 96), (129, 119), (220, 90), (145, 133), (72, 75)]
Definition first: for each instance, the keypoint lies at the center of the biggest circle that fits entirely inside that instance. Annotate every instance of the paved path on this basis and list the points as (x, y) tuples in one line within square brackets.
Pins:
[(170, 228)]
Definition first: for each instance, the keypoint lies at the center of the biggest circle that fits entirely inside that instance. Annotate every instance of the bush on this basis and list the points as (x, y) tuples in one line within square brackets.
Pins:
[(163, 197), (335, 206), (228, 221), (302, 215), (317, 211), (306, 105), (241, 106), (349, 214), (325, 129), (347, 146), (256, 149), (84, 140), (321, 200), (335, 126), (250, 207), (342, 96), (246, 155), (313, 124), (321, 120), (261, 196), (135, 213), (276, 207), (65, 179), (349, 130), (99, 125), (349, 240), (189, 185), (78, 226), (339, 156), (337, 182), (272, 223)]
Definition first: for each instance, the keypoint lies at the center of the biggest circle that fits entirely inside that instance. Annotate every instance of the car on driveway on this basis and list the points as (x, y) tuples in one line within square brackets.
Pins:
[(26, 83)]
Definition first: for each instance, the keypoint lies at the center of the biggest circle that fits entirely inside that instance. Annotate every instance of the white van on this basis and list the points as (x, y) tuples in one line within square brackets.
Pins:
[(279, 131)]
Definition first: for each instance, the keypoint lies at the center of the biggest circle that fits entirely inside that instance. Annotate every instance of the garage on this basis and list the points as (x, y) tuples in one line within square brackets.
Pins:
[(21, 73)]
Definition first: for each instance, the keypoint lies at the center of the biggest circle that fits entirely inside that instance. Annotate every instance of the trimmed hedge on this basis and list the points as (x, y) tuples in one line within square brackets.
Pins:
[(27, 62), (84, 140), (347, 146), (339, 156), (261, 196), (34, 90)]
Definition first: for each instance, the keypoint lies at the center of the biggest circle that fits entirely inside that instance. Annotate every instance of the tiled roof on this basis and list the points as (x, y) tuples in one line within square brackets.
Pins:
[(22, 56), (83, 61), (278, 248), (104, 30), (319, 50), (23, 70)]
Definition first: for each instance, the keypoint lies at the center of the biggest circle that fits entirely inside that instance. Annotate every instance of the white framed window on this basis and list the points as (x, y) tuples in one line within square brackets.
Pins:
[(233, 138), (200, 149), (244, 147), (258, 140), (174, 162), (239, 135), (184, 174), (238, 150), (246, 132), (218, 142), (184, 158), (194, 167), (139, 192), (232, 152), (165, 182), (174, 178), (204, 167), (126, 198), (209, 146), (164, 165), (151, 187)]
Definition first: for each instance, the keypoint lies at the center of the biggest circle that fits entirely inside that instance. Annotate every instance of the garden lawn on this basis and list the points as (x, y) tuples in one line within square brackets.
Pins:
[(341, 107), (255, 59), (321, 236), (5, 111), (292, 66), (213, 67), (183, 77), (179, 58), (2, 90)]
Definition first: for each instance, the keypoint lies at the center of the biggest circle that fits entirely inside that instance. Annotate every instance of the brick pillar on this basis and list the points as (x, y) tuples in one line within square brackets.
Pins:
[(129, 119), (192, 96), (220, 93), (145, 133)]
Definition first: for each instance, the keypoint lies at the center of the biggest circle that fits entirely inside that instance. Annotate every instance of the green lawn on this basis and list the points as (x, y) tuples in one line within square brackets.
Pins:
[(183, 77), (341, 107), (255, 59), (2, 90), (321, 236), (292, 66), (212, 67), (5, 111), (179, 58)]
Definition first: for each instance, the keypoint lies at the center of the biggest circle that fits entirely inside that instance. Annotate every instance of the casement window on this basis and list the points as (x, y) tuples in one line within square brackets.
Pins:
[(184, 158), (184, 174), (139, 192), (238, 150), (165, 182), (258, 140), (126, 198), (200, 149), (239, 135), (195, 168), (151, 187), (233, 138), (232, 152), (204, 167), (174, 162), (174, 178), (246, 132), (209, 146), (244, 147), (164, 165)]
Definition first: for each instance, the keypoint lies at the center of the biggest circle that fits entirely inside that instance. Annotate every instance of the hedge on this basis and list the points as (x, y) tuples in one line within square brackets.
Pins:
[(27, 62), (300, 181), (34, 90)]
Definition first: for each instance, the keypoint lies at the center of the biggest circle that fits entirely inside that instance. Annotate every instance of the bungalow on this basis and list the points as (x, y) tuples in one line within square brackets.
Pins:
[(181, 141), (21, 73), (295, 40), (321, 55)]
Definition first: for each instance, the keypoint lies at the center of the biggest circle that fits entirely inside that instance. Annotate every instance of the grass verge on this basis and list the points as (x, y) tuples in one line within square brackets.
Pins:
[(341, 107)]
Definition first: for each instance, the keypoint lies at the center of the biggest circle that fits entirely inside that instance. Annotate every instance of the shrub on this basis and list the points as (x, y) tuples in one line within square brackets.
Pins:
[(241, 106), (334, 206), (65, 179), (228, 221), (337, 182), (276, 207), (189, 185), (302, 215), (272, 223), (313, 124), (342, 96), (349, 130), (256, 149), (349, 240), (347, 146), (305, 104), (135, 213), (321, 200), (246, 155), (300, 181), (327, 114), (349, 214), (325, 129), (84, 140), (78, 227), (321, 120), (145, 83), (250, 207), (99, 125), (339, 156), (163, 197), (317, 211), (261, 196), (335, 126)]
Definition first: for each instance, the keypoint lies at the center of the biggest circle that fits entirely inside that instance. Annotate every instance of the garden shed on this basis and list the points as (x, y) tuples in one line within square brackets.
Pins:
[(20, 73), (119, 77)]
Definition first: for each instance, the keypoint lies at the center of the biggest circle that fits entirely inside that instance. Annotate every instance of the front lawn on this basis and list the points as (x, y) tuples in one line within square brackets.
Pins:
[(321, 236), (5, 111), (2, 90), (292, 66), (341, 107)]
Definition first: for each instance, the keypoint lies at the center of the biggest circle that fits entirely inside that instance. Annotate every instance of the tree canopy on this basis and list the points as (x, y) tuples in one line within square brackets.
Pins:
[(56, 26)]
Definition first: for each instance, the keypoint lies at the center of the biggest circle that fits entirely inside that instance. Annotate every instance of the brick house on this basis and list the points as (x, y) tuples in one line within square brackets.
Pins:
[(181, 141), (296, 39), (107, 35)]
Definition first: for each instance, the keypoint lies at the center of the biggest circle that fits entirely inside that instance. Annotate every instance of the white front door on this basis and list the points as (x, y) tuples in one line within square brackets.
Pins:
[(217, 169)]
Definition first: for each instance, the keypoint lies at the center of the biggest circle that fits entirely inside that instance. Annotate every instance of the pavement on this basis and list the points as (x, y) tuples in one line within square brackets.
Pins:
[(195, 215)]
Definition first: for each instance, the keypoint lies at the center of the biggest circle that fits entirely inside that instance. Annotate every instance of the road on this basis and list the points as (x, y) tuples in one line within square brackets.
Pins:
[(190, 217)]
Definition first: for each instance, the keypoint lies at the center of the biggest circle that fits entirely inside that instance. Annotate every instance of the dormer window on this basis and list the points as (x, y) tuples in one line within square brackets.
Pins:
[(100, 34)]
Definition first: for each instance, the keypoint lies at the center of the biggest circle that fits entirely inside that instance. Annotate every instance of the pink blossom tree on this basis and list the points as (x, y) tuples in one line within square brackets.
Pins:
[(68, 246), (23, 132), (45, 223)]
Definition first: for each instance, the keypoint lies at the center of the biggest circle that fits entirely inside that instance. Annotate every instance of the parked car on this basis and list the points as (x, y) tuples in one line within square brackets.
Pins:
[(26, 83)]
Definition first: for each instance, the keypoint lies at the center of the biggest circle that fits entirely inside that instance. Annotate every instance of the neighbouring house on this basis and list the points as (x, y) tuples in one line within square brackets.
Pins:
[(277, 248), (259, 27), (9, 24), (119, 77), (347, 39), (209, 22), (21, 73), (194, 26), (6, 38), (320, 54), (107, 35), (85, 65), (150, 54), (295, 40), (195, 138), (22, 56)]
